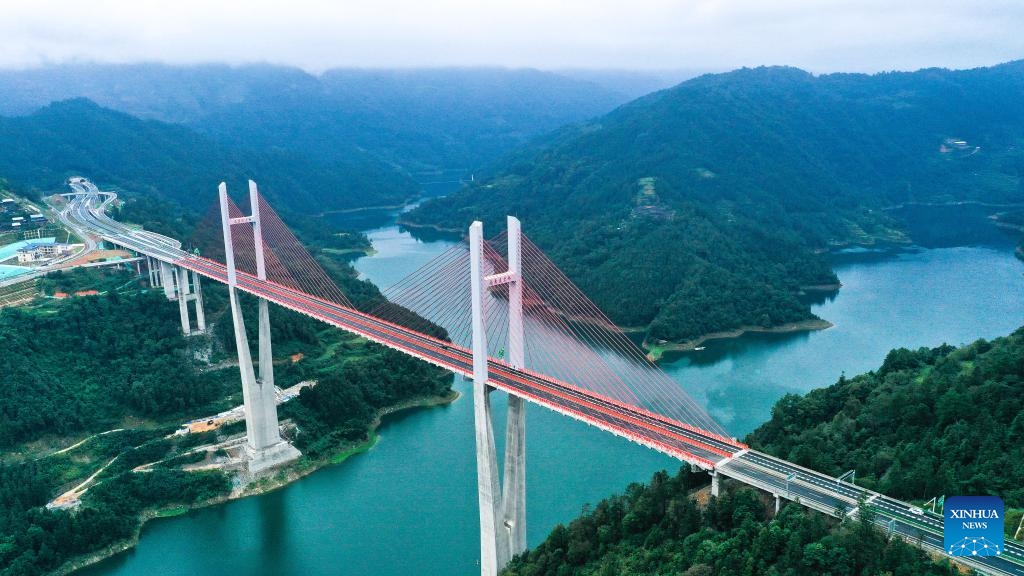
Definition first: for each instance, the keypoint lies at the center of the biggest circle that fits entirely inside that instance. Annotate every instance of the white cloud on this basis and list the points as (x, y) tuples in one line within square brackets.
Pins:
[(820, 35)]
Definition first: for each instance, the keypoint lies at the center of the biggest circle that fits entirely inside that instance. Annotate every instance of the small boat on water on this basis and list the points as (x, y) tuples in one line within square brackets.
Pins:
[(699, 348)]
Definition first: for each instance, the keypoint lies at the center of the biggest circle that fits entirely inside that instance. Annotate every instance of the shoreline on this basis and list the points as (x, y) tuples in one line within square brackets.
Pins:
[(435, 227), (656, 351), (347, 252), (364, 209), (822, 287), (954, 203), (273, 481)]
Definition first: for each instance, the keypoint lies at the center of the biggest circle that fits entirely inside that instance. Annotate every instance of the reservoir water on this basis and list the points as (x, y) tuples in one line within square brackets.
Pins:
[(408, 506)]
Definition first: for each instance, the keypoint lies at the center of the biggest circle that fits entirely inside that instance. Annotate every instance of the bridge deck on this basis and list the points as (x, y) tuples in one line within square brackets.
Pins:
[(707, 450)]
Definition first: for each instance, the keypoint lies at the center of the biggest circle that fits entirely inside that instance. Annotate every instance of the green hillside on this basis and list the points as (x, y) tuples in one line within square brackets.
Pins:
[(721, 193), (174, 164), (928, 422)]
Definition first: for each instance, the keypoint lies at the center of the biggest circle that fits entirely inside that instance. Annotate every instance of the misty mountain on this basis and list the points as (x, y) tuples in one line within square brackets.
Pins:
[(703, 207), (416, 119), (633, 83), (173, 163)]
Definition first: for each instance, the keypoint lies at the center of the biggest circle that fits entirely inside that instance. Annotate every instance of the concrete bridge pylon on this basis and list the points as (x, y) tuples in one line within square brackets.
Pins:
[(502, 502), (264, 446)]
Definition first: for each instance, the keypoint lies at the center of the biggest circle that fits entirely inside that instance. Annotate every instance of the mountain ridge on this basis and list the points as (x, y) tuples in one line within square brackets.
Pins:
[(170, 162), (416, 119), (752, 174)]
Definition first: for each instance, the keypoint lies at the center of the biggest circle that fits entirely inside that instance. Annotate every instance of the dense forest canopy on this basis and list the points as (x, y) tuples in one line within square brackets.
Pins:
[(92, 362), (720, 193), (928, 422)]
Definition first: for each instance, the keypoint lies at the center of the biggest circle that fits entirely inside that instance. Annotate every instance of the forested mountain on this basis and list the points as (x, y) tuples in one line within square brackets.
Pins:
[(928, 422), (416, 119), (718, 194), (173, 163), (633, 83)]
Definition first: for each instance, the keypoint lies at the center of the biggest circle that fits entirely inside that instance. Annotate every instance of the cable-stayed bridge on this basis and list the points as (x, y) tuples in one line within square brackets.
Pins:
[(499, 312)]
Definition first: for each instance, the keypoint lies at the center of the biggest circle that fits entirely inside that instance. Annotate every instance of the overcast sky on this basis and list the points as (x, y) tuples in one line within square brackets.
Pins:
[(818, 35)]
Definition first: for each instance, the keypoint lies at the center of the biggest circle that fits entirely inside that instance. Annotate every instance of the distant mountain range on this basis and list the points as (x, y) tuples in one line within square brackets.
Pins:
[(340, 140), (414, 119), (704, 207)]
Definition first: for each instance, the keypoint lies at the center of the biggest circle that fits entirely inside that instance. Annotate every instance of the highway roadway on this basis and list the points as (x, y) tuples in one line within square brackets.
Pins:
[(73, 224), (699, 448)]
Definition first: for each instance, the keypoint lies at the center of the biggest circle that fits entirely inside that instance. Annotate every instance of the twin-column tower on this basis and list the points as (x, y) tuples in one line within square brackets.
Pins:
[(502, 503), (264, 446)]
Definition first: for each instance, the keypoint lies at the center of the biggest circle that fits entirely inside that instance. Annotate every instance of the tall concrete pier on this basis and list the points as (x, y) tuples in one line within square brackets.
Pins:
[(502, 502), (190, 292), (182, 285), (265, 447)]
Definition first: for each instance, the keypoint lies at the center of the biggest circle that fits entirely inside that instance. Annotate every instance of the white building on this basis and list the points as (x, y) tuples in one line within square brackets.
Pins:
[(38, 252)]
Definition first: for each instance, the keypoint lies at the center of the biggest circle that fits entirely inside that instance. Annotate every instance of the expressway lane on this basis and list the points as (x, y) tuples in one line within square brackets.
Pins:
[(821, 491)]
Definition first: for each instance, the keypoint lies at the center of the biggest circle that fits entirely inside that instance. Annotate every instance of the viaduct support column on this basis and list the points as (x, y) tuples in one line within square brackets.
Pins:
[(265, 448), (198, 297), (152, 272), (181, 275), (167, 279), (714, 483), (189, 293)]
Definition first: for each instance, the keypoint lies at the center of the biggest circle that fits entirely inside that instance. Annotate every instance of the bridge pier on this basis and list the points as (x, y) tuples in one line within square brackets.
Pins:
[(177, 286), (778, 503), (167, 280), (502, 524), (197, 296), (190, 293), (153, 275), (715, 483), (181, 279), (264, 446)]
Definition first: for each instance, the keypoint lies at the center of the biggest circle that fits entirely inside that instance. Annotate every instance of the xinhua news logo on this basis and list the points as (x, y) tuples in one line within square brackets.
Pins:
[(973, 526)]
